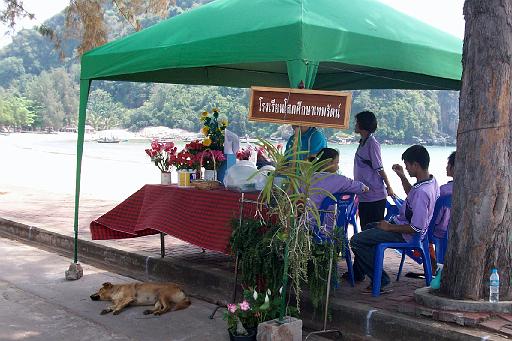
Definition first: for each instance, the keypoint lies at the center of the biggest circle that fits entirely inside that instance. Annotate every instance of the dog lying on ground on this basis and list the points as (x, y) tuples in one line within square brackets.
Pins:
[(164, 297)]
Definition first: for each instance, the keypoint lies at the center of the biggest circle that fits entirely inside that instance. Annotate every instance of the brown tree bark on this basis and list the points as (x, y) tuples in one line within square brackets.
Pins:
[(481, 226)]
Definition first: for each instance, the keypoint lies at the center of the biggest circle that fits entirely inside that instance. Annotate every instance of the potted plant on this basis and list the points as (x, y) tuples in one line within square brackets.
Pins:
[(288, 202), (243, 318)]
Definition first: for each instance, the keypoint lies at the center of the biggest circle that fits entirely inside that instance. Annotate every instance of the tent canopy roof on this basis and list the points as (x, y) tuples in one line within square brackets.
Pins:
[(341, 44)]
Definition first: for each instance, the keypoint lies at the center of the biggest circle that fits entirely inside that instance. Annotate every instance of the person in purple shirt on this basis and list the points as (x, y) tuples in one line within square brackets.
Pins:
[(369, 170), (414, 215), (328, 181), (443, 217)]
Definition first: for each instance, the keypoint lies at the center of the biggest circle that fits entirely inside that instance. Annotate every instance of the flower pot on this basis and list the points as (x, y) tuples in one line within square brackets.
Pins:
[(273, 330), (183, 178), (250, 337), (210, 175), (165, 178)]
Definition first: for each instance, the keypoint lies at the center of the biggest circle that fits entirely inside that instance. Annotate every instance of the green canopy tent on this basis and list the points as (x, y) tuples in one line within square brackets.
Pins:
[(327, 44)]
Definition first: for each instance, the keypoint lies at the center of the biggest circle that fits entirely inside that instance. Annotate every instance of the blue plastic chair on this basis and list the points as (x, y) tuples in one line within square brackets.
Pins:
[(343, 204), (441, 244), (352, 219), (392, 209), (415, 244)]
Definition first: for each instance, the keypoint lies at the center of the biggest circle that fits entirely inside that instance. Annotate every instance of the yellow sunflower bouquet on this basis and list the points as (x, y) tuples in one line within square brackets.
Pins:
[(213, 129)]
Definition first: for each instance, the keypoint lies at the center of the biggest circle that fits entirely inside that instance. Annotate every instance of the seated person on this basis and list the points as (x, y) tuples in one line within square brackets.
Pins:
[(328, 181), (312, 141), (414, 215), (443, 218)]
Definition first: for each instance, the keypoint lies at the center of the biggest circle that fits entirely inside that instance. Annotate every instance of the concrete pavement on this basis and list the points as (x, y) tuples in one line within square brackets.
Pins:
[(38, 304)]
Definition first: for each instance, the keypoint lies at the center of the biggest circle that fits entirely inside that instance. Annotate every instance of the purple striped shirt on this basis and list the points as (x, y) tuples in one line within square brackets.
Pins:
[(443, 217), (418, 207), (332, 183)]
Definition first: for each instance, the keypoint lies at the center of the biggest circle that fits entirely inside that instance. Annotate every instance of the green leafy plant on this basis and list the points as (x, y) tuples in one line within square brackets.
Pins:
[(289, 201), (260, 257)]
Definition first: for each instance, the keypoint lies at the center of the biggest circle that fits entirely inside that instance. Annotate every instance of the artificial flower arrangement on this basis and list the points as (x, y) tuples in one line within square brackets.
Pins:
[(243, 318), (161, 154), (213, 129), (208, 153), (182, 160)]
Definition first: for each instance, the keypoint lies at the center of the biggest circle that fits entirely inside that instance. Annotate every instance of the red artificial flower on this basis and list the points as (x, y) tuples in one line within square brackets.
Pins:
[(168, 146)]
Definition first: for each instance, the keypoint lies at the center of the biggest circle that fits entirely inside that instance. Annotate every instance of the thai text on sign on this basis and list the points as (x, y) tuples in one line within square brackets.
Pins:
[(300, 107)]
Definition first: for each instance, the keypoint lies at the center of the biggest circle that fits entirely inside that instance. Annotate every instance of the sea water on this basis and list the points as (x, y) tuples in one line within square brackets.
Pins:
[(116, 170)]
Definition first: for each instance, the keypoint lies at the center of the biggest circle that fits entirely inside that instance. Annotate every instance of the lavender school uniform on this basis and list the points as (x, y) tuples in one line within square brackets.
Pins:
[(418, 207), (443, 217), (367, 164), (332, 183)]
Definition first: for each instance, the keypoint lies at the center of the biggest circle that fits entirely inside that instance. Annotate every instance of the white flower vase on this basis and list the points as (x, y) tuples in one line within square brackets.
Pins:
[(210, 175), (165, 178)]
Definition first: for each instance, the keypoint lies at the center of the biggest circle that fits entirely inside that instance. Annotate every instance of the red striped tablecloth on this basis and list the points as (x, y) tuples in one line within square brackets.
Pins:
[(200, 217)]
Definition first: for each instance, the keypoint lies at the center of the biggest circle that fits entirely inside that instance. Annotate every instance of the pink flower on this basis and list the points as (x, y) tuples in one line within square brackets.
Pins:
[(279, 146), (156, 145), (168, 146), (244, 306), (232, 308)]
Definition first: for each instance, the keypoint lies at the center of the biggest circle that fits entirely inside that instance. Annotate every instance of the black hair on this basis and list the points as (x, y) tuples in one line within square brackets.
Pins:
[(451, 159), (417, 154), (367, 121), (326, 153)]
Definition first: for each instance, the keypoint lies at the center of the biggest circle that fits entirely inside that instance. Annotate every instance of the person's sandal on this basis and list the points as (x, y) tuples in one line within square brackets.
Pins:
[(383, 290)]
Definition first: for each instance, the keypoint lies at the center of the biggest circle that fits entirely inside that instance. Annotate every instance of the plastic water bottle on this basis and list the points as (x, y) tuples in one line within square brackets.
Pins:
[(494, 294)]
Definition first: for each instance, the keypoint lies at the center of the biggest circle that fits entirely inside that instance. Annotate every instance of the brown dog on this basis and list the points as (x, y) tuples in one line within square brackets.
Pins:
[(164, 296)]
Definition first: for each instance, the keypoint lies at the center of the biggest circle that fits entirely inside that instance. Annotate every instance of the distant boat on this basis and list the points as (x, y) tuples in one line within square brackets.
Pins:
[(108, 140)]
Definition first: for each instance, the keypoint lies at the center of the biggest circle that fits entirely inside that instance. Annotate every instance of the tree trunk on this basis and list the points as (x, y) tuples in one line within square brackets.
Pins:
[(481, 232)]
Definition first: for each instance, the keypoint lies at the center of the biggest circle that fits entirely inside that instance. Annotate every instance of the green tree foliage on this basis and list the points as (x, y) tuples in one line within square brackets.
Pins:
[(30, 67), (11, 68), (102, 111), (179, 106), (55, 98), (15, 111)]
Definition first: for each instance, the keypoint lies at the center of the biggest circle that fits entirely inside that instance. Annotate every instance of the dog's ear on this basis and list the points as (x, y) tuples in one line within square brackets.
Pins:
[(107, 285)]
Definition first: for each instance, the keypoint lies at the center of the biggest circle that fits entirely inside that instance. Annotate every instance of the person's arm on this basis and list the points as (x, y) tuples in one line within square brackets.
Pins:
[(334, 183), (405, 182), (385, 226), (384, 177), (421, 214), (376, 160)]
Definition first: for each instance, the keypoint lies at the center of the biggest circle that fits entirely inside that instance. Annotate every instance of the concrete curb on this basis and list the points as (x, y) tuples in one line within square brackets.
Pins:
[(425, 297), (215, 286)]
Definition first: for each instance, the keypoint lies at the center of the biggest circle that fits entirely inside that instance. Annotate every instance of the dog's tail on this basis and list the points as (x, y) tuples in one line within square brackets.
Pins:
[(183, 304)]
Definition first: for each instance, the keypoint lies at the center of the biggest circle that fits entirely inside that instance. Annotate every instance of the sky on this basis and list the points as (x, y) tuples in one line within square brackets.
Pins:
[(443, 14)]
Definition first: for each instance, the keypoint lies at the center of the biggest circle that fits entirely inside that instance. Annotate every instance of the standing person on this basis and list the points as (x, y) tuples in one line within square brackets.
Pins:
[(414, 216), (312, 141), (369, 170)]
